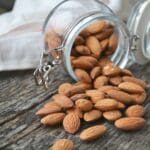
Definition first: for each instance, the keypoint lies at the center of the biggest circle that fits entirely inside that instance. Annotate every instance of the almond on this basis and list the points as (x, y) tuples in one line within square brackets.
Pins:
[(120, 96), (139, 98), (84, 105), (112, 115), (100, 81), (79, 96), (135, 111), (115, 80), (64, 87), (93, 44), (79, 40), (95, 95), (93, 133), (84, 62), (135, 80), (63, 144), (85, 33), (126, 72), (130, 123), (113, 42), (76, 111), (104, 44), (95, 72), (110, 70), (106, 104), (71, 123), (96, 27), (107, 87), (131, 87), (53, 119), (121, 105), (83, 50), (92, 115), (49, 108), (104, 61), (82, 75), (105, 34), (63, 101)]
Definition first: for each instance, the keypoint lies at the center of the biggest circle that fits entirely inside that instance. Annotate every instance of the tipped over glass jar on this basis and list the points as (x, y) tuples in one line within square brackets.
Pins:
[(87, 32)]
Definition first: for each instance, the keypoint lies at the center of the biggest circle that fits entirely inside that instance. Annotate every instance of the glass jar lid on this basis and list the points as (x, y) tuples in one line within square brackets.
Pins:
[(139, 26)]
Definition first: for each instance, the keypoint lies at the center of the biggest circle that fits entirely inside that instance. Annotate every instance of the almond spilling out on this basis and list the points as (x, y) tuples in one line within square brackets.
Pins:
[(126, 72), (115, 80), (139, 98), (63, 144), (95, 95), (120, 96), (82, 75), (106, 104), (79, 96), (92, 115), (95, 72), (71, 123), (112, 115), (76, 111), (63, 101), (135, 111), (53, 119), (49, 108), (64, 87), (130, 123), (131, 87), (93, 133), (84, 104)]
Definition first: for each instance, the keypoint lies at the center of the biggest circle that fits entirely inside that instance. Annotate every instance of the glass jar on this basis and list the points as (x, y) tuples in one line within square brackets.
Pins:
[(70, 17)]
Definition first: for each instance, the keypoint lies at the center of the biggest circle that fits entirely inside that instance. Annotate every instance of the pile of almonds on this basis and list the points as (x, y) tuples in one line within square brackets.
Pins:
[(104, 91)]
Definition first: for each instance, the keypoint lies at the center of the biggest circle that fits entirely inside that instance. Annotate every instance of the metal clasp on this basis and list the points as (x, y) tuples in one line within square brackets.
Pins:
[(134, 42), (42, 74)]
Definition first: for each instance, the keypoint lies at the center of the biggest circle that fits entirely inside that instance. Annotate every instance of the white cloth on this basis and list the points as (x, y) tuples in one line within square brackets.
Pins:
[(20, 32)]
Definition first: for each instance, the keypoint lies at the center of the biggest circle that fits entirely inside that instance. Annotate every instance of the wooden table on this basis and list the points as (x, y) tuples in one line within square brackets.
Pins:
[(20, 129)]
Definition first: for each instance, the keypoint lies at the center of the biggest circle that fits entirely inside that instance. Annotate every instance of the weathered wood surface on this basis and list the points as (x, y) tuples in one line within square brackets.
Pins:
[(20, 129)]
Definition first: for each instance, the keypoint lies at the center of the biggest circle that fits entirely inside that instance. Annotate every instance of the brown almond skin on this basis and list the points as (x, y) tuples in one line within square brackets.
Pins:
[(64, 87), (79, 96), (105, 34), (100, 81), (113, 42), (96, 27), (106, 104), (93, 133), (120, 96), (83, 50), (92, 115), (104, 61), (63, 101), (111, 71), (126, 72), (63, 144), (53, 119), (130, 87), (135, 80), (84, 105), (76, 111), (135, 111), (95, 72), (83, 75), (93, 44), (71, 123), (130, 123), (48, 109), (115, 80), (112, 115), (121, 106), (139, 98), (79, 40), (107, 87), (85, 62), (104, 44), (95, 95)]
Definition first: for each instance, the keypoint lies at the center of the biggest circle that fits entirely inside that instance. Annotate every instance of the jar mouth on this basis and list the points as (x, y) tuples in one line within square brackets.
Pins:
[(119, 58)]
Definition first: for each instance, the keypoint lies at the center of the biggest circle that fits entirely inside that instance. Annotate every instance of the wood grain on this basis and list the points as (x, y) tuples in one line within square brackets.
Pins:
[(20, 129)]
